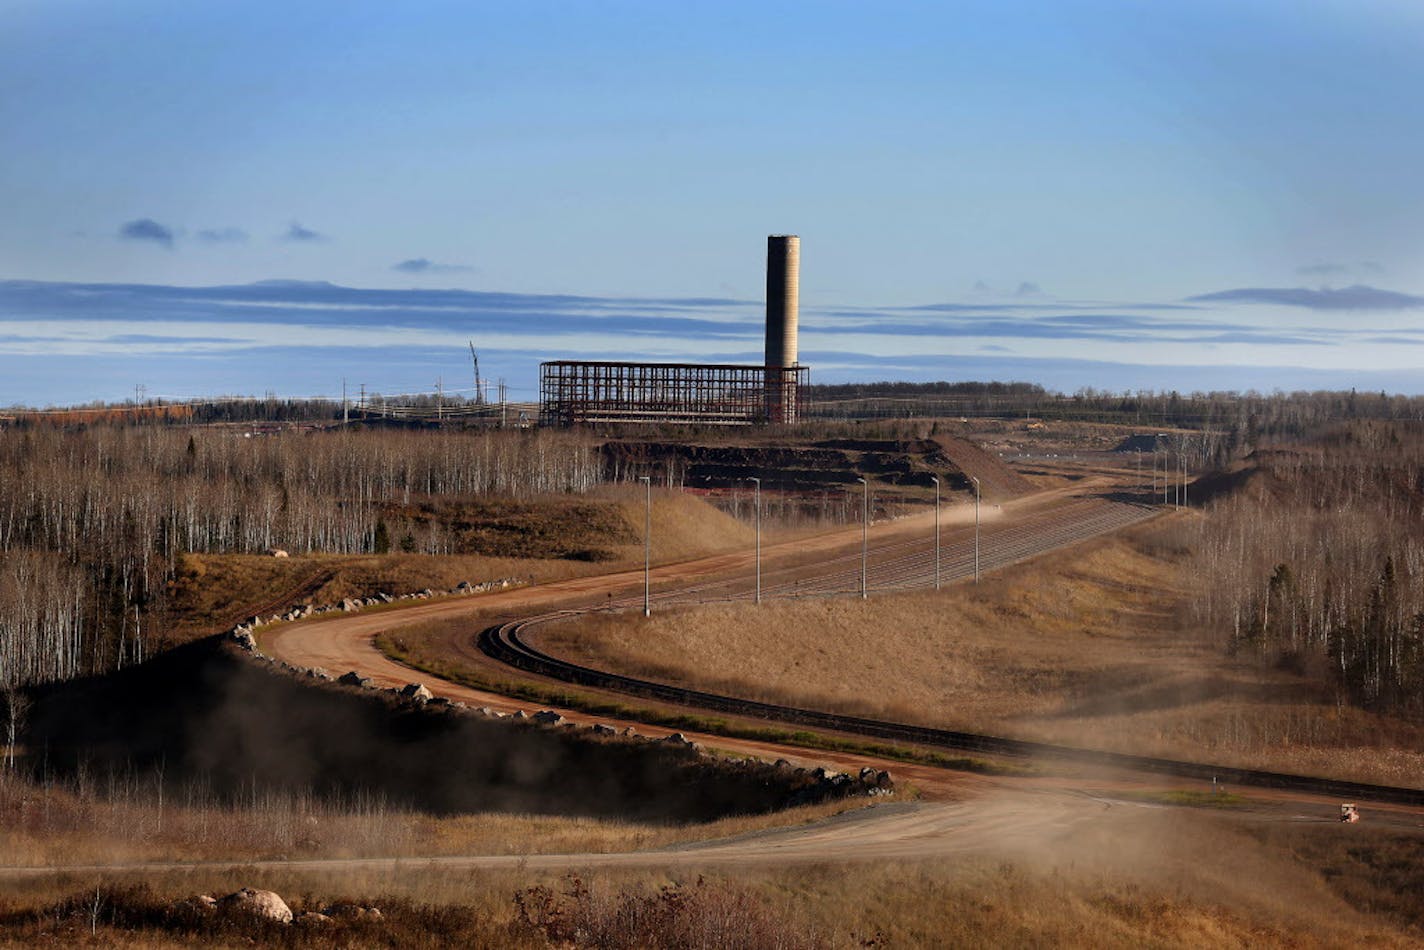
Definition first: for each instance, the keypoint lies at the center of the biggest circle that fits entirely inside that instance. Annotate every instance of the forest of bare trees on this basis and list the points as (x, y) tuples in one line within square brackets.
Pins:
[(1317, 560), (94, 519)]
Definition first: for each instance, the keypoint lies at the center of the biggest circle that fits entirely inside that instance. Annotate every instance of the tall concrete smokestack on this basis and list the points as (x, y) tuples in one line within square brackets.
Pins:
[(783, 293)]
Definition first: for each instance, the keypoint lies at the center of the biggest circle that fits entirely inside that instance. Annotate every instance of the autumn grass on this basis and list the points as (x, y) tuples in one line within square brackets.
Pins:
[(1301, 887), (132, 820), (1189, 798), (1085, 647), (408, 648)]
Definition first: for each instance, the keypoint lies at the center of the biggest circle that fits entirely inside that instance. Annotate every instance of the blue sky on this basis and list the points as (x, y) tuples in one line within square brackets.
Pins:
[(1120, 195)]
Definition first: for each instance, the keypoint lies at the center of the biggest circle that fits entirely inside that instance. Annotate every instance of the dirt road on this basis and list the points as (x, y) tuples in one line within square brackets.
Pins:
[(899, 557), (1028, 824)]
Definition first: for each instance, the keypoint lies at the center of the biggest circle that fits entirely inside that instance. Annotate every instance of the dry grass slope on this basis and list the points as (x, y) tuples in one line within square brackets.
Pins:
[(1084, 647)]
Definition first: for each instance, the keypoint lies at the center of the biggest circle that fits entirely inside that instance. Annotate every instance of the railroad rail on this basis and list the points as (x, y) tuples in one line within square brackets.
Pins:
[(901, 566)]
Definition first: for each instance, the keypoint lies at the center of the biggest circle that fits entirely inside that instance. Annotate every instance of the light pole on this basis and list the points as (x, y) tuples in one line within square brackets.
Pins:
[(648, 548), (864, 535), (976, 527), (936, 483), (757, 482)]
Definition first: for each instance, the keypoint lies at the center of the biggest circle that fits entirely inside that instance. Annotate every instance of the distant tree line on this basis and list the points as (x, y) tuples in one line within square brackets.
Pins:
[(1248, 416), (94, 519), (1317, 560)]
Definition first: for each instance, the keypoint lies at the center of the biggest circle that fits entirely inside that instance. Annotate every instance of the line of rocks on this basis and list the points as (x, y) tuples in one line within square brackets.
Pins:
[(269, 905), (813, 784), (353, 604)]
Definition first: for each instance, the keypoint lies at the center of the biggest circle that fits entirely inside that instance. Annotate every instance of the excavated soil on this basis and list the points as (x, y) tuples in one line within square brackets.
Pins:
[(205, 713), (813, 466)]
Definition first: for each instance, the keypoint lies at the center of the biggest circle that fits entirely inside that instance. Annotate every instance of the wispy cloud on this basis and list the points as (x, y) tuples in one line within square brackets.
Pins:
[(222, 235), (423, 265), (1336, 269), (296, 233), (1355, 297), (147, 229)]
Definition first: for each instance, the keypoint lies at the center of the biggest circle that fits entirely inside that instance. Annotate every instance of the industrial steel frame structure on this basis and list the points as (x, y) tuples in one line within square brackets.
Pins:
[(581, 392)]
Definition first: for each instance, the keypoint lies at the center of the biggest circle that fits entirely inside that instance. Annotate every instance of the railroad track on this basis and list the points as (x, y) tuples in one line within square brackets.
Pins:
[(901, 566)]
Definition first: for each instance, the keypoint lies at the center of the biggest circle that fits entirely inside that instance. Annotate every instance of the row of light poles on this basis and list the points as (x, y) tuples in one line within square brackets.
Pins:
[(864, 539)]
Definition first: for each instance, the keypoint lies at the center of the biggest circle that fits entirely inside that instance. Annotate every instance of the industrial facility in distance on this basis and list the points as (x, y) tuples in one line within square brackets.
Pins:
[(583, 392)]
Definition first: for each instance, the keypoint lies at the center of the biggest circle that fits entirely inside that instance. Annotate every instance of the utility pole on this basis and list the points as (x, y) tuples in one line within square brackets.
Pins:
[(503, 412), (362, 404), (864, 536), (647, 546), (345, 416), (439, 400), (976, 527), (757, 482), (936, 572)]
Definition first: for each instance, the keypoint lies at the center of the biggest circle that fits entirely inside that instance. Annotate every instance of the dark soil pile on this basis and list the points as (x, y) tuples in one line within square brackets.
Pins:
[(206, 713)]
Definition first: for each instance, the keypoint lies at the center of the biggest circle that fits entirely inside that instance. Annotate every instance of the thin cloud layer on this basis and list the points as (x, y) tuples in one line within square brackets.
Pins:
[(354, 332), (1354, 297), (147, 229)]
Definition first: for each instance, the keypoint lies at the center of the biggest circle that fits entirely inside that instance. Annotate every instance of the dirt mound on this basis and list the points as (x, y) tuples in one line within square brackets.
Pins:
[(996, 479), (1139, 442), (204, 713), (791, 468)]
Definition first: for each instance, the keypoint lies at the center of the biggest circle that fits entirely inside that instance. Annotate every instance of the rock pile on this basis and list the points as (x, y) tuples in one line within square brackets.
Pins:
[(353, 604), (268, 905), (812, 785)]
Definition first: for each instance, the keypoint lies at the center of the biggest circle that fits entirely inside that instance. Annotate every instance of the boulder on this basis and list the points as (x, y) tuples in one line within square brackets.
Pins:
[(198, 904), (599, 729), (465, 586), (349, 605), (246, 640), (416, 692), (354, 679), (311, 918), (317, 673), (386, 598), (265, 904), (519, 714), (277, 552), (547, 717)]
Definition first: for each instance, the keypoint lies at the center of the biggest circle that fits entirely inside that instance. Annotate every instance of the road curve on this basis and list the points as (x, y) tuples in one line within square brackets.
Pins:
[(901, 558)]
